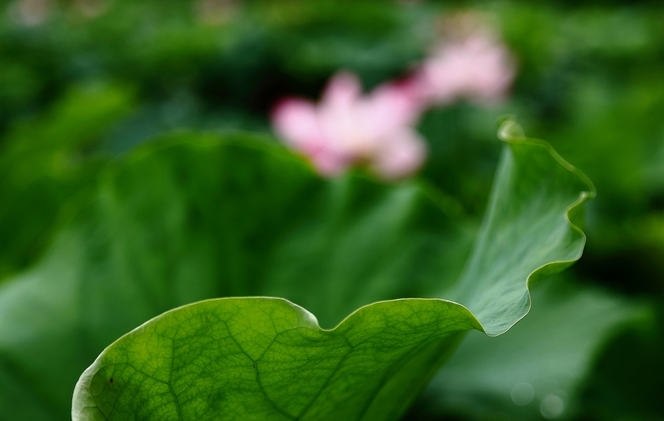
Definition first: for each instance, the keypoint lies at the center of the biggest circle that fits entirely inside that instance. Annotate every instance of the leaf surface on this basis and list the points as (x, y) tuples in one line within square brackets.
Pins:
[(193, 217), (267, 359)]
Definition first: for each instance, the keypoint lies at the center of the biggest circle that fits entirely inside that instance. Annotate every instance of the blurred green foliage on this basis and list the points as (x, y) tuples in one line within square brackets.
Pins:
[(45, 160), (83, 81)]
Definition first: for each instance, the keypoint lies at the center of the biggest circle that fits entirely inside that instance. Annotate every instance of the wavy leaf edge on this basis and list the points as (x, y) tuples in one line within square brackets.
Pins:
[(510, 132)]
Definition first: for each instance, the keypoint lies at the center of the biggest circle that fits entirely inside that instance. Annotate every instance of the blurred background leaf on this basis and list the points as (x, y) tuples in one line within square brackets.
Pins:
[(47, 159)]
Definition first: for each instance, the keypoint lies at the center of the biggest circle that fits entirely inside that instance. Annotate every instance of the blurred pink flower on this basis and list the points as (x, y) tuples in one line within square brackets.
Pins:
[(477, 66), (348, 128)]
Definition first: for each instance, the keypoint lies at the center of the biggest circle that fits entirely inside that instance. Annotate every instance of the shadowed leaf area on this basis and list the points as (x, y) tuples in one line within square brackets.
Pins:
[(191, 217)]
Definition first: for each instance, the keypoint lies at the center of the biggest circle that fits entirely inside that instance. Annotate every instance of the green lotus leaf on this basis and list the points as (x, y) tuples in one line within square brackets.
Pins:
[(268, 359), (192, 217)]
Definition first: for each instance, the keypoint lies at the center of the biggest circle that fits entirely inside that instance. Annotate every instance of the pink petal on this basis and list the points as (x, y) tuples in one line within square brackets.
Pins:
[(401, 156), (347, 128), (343, 89), (479, 68), (296, 122), (391, 106), (329, 164), (340, 113)]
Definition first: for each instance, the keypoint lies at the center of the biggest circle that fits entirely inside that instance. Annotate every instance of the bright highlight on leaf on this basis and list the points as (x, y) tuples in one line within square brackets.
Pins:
[(267, 359)]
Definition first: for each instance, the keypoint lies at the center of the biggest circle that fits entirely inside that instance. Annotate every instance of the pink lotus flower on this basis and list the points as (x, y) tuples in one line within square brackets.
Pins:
[(477, 66), (348, 128)]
